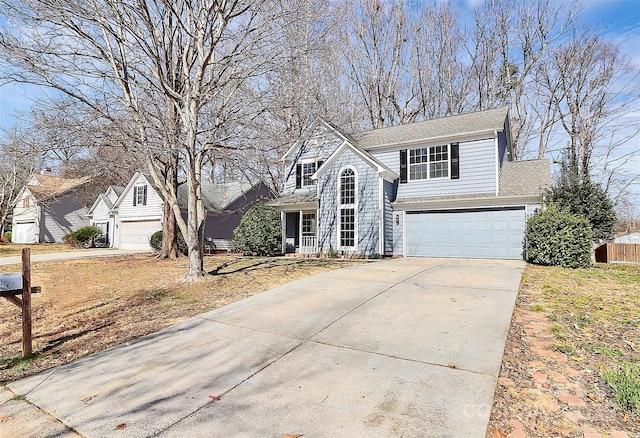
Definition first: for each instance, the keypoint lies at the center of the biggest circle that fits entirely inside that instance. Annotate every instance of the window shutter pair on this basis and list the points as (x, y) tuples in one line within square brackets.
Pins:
[(455, 163), (144, 194)]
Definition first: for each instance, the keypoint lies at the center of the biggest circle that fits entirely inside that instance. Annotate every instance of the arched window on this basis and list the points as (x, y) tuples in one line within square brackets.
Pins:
[(347, 209)]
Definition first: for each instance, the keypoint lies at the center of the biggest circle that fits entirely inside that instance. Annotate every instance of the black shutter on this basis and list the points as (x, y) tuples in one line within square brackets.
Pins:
[(135, 195), (144, 201), (298, 176), (455, 161), (320, 163), (403, 166)]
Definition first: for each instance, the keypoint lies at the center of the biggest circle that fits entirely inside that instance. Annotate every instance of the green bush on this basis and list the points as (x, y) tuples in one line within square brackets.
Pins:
[(624, 381), (83, 237), (156, 242), (7, 236), (558, 238), (259, 232)]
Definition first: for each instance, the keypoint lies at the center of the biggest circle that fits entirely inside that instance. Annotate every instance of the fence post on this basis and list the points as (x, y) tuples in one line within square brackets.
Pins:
[(26, 303)]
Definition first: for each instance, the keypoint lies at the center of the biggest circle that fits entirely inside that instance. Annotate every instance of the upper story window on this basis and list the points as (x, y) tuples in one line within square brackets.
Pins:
[(304, 172), (26, 202), (429, 163), (433, 162), (140, 195), (308, 169)]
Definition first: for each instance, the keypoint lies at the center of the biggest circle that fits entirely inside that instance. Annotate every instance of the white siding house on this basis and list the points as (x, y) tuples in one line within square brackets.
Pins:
[(137, 213)]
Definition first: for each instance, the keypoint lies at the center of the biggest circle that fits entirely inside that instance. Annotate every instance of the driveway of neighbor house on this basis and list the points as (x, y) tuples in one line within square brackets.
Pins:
[(407, 347), (69, 255)]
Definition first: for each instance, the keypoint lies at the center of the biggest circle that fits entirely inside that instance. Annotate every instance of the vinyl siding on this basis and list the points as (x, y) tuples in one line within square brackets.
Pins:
[(101, 212), (398, 249), (389, 195), (477, 171), (153, 209), (61, 217), (368, 214), (319, 146)]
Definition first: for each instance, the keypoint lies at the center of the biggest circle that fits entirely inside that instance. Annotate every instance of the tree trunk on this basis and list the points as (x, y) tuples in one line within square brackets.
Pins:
[(169, 248)]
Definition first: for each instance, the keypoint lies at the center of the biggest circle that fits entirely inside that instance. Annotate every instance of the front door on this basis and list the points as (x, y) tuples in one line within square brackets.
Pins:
[(292, 231)]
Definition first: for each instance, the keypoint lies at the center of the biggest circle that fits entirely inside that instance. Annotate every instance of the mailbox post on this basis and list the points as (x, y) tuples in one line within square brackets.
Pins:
[(20, 284)]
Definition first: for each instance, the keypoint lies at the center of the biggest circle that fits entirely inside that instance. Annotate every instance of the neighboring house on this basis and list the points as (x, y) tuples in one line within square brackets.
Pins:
[(137, 213), (101, 215), (440, 188), (48, 208), (628, 238)]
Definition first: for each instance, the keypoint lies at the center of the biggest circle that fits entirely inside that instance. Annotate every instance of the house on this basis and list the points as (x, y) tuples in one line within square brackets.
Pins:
[(137, 212), (48, 208), (101, 215), (628, 238), (447, 187)]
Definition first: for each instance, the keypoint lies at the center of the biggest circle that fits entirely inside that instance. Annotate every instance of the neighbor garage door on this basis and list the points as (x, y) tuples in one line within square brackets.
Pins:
[(24, 233), (136, 234), (475, 233)]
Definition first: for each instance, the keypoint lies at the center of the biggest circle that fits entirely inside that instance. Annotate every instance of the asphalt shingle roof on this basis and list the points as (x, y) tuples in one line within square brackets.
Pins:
[(216, 196), (522, 178), (294, 199), (49, 185), (460, 125)]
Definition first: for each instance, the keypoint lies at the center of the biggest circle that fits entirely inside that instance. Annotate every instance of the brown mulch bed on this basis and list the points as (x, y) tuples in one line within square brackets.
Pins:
[(568, 327), (89, 305)]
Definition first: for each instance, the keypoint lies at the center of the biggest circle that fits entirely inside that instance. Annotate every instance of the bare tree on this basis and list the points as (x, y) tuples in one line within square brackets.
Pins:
[(155, 64), (590, 86)]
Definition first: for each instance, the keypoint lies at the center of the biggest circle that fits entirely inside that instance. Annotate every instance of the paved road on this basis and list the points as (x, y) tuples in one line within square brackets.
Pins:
[(407, 347), (69, 255)]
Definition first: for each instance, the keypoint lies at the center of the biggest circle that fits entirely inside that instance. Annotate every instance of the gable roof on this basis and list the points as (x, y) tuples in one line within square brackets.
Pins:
[(527, 177), (382, 170), (453, 126), (49, 186), (218, 196), (306, 135), (628, 238)]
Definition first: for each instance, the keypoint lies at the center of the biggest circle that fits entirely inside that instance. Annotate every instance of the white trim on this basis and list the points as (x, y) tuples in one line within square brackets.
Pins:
[(497, 162), (283, 229), (381, 229), (383, 171), (404, 233), (140, 219), (355, 209)]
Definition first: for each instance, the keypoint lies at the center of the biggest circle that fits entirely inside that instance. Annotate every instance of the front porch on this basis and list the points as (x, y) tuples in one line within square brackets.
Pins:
[(299, 231)]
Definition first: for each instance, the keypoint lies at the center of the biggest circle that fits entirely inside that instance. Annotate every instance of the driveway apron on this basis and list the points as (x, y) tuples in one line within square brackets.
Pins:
[(406, 347)]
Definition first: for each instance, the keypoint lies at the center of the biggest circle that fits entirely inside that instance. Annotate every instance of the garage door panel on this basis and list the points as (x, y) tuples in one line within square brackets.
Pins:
[(490, 233), (136, 234)]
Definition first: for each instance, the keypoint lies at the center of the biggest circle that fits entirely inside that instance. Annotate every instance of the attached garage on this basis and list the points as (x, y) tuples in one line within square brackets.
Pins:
[(136, 234), (24, 232), (492, 233)]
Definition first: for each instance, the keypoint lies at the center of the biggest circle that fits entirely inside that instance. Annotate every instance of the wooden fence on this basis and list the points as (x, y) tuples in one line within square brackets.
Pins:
[(618, 252)]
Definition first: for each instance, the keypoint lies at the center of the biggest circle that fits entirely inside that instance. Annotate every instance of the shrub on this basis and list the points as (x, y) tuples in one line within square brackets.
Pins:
[(83, 237), (155, 241), (558, 238), (7, 236), (259, 232), (624, 381)]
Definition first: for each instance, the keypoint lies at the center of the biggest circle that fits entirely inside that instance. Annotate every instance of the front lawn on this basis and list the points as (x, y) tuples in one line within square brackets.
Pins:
[(569, 328), (15, 249), (89, 305)]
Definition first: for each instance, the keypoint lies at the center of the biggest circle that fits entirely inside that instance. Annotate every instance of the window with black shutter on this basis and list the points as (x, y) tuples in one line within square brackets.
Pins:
[(455, 161), (403, 166)]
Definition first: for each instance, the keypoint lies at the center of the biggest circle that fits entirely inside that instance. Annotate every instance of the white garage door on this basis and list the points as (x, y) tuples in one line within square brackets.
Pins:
[(24, 233), (135, 235), (476, 233)]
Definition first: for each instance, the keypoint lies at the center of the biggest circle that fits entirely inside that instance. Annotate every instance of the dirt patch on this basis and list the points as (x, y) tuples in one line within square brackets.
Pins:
[(89, 305), (569, 326)]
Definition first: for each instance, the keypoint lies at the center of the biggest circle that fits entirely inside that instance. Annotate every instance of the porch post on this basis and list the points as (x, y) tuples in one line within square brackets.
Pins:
[(300, 232), (283, 228)]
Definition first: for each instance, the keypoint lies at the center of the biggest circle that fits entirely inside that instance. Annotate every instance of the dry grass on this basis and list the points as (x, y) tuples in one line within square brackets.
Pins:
[(88, 305), (568, 328)]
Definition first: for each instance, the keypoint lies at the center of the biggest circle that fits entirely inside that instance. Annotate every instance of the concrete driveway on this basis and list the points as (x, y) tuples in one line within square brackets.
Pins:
[(407, 347)]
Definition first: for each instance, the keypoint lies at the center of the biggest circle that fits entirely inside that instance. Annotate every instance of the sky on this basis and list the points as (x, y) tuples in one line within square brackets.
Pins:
[(617, 19)]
